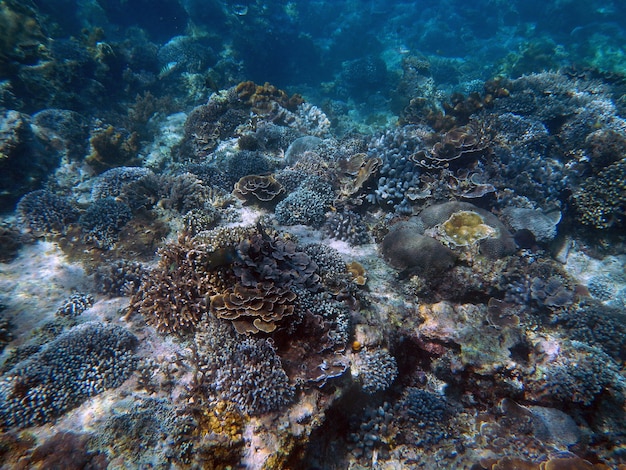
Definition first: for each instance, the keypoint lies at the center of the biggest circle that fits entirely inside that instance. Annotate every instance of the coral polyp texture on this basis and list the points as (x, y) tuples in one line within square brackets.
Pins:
[(43, 212), (411, 264), (80, 363)]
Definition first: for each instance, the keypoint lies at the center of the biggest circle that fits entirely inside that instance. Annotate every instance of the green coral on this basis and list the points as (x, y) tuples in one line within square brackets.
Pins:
[(464, 228)]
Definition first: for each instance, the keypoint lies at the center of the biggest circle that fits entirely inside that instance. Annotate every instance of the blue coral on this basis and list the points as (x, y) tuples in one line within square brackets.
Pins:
[(397, 174), (103, 220), (78, 364), (251, 376), (43, 212), (375, 371)]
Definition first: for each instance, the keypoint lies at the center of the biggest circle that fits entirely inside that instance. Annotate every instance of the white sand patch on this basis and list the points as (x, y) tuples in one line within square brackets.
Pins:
[(36, 284)]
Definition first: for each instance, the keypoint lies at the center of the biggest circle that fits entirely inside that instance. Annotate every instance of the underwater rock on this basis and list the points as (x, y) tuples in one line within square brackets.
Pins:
[(411, 252), (63, 130), (543, 225), (23, 162), (307, 143)]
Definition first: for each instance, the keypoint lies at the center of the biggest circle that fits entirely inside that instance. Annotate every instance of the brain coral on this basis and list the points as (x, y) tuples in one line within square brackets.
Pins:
[(469, 224), (465, 228), (80, 363)]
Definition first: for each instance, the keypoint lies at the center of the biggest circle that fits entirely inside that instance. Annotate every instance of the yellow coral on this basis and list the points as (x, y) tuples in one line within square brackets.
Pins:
[(464, 228)]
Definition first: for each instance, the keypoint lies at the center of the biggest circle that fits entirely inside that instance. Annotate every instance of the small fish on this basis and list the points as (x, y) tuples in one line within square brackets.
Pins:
[(168, 69)]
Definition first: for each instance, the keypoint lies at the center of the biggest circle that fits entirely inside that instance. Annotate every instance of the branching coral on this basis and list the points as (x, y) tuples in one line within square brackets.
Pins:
[(375, 371), (172, 297), (80, 363), (111, 147), (43, 212), (103, 220), (601, 201), (252, 377)]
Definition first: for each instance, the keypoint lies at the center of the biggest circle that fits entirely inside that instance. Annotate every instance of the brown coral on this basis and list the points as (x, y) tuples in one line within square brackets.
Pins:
[(458, 147), (354, 172), (112, 147), (173, 296), (254, 309), (262, 97), (255, 188), (267, 270)]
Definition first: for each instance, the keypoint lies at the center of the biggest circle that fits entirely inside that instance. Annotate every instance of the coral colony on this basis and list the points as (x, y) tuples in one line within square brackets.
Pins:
[(417, 262)]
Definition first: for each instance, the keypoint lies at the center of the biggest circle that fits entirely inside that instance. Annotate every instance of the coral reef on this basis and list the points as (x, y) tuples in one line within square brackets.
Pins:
[(482, 329), (78, 364), (252, 377), (45, 213), (102, 221), (374, 371), (75, 305)]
